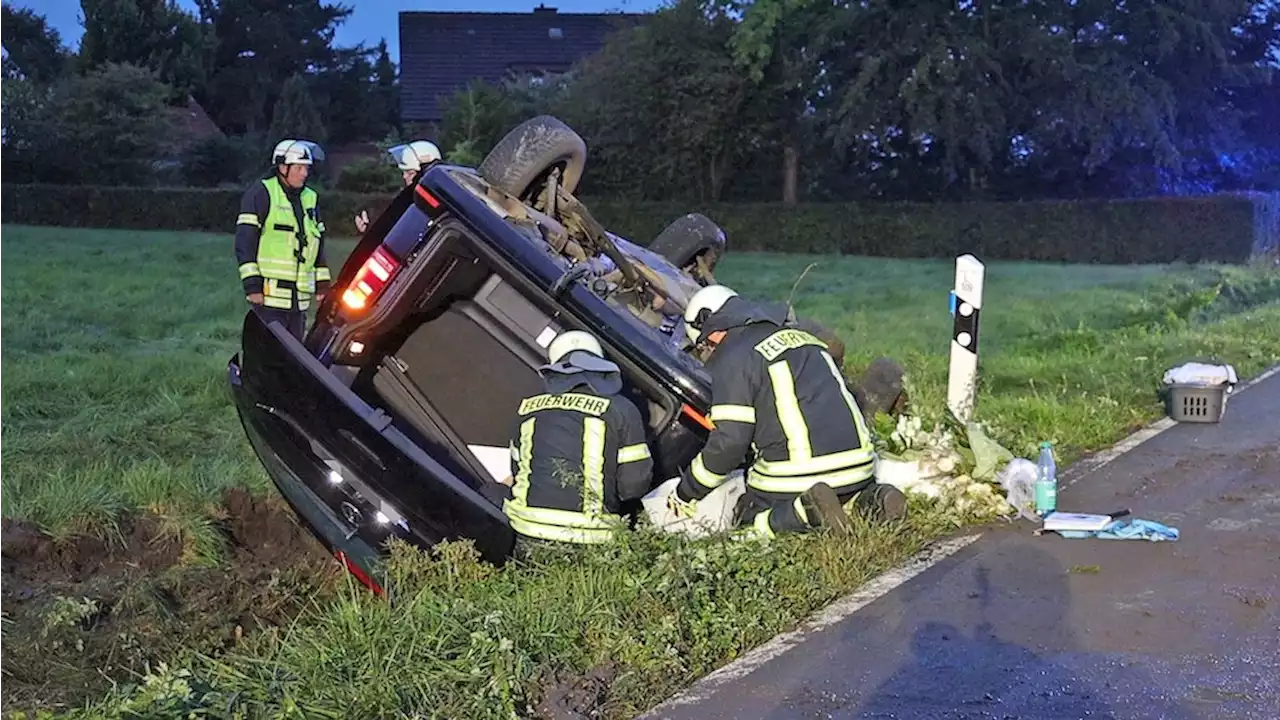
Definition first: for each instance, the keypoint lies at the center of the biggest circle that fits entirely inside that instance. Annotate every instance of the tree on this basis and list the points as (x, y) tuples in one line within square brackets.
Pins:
[(107, 127), (156, 34), (35, 50), (25, 136), (662, 107), (387, 82), (295, 114), (474, 119), (251, 61)]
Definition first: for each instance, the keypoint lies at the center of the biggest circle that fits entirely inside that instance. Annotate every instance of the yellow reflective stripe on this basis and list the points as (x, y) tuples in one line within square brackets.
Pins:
[(736, 413), (818, 465), (322, 274), (560, 518), (248, 219), (249, 269), (761, 524), (582, 536), (789, 415), (520, 488), (705, 477), (801, 513), (634, 453), (593, 466), (864, 437), (798, 484), (282, 303), (549, 523)]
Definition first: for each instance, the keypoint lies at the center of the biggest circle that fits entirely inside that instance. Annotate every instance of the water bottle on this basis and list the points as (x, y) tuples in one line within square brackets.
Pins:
[(1046, 481)]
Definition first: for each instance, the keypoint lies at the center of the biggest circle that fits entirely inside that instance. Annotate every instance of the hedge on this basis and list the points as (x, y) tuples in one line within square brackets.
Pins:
[(1221, 228)]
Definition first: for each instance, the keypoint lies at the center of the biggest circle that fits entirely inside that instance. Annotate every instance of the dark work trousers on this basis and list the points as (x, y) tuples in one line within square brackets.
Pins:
[(295, 321), (783, 518)]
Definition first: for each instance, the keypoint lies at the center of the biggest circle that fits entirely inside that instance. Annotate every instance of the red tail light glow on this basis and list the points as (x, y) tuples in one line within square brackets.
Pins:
[(371, 279)]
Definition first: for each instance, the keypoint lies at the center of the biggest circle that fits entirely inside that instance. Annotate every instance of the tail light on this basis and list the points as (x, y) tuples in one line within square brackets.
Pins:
[(370, 280)]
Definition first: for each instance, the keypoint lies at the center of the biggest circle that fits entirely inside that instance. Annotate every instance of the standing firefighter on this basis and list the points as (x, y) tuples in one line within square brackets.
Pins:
[(578, 451), (280, 239), (411, 159), (777, 393)]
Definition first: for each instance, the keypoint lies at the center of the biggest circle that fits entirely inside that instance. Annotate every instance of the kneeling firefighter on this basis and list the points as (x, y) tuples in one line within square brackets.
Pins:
[(776, 391), (578, 451)]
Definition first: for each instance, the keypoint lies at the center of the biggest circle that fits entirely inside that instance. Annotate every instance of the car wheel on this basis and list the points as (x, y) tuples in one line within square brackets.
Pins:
[(520, 161), (688, 237)]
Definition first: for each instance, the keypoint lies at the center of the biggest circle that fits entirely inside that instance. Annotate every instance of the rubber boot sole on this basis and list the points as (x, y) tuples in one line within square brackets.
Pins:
[(823, 509)]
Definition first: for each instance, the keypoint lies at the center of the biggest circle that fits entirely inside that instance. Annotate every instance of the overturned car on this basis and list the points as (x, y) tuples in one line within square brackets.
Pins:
[(392, 417)]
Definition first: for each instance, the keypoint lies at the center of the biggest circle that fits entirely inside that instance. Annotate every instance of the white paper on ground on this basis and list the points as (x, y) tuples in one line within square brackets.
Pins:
[(497, 460), (908, 476), (1076, 521), (714, 512)]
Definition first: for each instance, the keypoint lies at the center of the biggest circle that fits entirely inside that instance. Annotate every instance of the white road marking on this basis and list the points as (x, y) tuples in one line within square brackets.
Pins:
[(829, 615), (888, 581)]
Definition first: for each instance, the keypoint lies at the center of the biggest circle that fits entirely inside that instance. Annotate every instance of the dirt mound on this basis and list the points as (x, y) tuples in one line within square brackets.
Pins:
[(576, 697), (89, 610)]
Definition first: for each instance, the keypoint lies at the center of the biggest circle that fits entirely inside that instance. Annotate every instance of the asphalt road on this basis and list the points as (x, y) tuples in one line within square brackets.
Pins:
[(1020, 626)]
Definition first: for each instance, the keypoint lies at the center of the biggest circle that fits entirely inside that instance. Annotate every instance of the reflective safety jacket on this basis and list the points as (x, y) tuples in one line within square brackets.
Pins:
[(780, 403), (575, 457), (280, 245)]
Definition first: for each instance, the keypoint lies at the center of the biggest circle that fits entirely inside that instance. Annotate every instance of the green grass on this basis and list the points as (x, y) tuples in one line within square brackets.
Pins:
[(115, 345)]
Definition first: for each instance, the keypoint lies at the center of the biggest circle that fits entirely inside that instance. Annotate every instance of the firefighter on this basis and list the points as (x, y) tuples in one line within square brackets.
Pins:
[(410, 159), (578, 451), (777, 392), (280, 239)]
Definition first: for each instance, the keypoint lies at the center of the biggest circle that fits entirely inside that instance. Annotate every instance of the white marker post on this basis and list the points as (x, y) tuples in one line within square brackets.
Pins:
[(966, 302)]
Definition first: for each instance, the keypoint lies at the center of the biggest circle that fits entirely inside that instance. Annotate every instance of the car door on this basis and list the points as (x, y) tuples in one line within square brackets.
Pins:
[(368, 479)]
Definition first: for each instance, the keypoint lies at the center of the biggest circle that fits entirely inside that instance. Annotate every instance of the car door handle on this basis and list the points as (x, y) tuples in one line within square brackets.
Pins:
[(351, 437)]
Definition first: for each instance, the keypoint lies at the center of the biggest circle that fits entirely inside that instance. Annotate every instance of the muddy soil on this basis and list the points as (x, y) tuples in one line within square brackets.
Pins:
[(82, 613)]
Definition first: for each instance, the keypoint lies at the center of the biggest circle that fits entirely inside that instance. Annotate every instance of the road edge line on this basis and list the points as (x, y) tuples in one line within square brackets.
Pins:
[(826, 616), (884, 583), (1087, 466)]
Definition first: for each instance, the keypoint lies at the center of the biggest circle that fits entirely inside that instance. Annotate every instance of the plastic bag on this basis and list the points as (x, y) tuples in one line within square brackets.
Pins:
[(714, 513), (1019, 482)]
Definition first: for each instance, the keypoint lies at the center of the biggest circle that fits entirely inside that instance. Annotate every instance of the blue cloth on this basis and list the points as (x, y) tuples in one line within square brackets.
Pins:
[(1127, 530)]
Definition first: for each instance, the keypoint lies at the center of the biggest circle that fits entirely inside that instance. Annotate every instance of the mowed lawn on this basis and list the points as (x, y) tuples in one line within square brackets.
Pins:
[(115, 346)]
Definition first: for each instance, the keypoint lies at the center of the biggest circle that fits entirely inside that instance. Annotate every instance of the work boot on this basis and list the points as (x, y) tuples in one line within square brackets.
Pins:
[(881, 502), (822, 508)]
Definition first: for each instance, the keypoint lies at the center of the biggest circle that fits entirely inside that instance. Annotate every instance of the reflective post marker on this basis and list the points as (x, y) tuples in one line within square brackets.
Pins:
[(966, 304)]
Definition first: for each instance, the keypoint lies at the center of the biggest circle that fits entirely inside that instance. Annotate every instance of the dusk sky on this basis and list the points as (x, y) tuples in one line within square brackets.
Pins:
[(372, 19)]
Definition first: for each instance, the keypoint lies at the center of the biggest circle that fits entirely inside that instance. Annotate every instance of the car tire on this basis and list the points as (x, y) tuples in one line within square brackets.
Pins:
[(688, 237), (532, 148)]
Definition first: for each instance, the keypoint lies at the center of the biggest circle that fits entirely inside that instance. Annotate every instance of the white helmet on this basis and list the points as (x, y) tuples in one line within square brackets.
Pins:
[(702, 305), (296, 152), (567, 342), (414, 155)]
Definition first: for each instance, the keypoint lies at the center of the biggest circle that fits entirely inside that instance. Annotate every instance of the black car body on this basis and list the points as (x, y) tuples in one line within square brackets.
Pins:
[(392, 418)]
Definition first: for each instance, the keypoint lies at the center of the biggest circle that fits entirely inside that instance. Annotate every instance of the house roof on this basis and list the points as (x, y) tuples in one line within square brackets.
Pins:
[(440, 52)]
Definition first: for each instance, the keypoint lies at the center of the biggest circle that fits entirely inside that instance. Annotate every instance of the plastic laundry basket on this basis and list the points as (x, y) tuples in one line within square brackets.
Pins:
[(1197, 403)]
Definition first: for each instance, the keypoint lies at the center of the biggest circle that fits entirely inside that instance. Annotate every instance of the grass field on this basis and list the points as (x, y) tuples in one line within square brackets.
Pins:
[(115, 346)]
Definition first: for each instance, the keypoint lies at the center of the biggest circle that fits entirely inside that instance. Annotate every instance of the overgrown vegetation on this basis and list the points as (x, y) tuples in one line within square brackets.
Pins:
[(116, 403)]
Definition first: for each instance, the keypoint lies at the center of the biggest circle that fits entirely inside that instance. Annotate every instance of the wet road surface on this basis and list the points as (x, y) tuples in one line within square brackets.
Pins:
[(1019, 626)]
